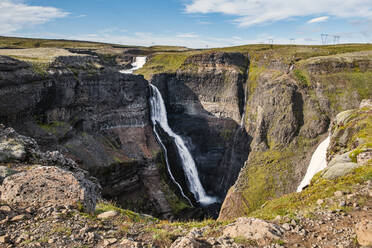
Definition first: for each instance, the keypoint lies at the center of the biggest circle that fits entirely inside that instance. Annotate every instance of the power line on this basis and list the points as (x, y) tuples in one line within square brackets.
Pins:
[(336, 39), (324, 38), (292, 41)]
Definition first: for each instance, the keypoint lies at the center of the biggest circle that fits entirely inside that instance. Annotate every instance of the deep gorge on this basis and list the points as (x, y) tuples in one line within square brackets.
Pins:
[(251, 136)]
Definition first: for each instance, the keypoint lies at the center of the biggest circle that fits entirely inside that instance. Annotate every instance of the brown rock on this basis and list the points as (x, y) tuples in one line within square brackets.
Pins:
[(338, 193), (49, 186), (254, 229), (364, 232), (18, 218), (129, 243), (4, 239), (5, 209), (107, 215), (187, 242), (108, 242)]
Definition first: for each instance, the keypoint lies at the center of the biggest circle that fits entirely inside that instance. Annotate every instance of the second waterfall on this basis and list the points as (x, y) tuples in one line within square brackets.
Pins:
[(159, 117)]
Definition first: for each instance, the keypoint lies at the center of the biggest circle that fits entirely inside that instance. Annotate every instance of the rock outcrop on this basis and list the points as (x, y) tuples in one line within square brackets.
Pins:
[(350, 145), (50, 186)]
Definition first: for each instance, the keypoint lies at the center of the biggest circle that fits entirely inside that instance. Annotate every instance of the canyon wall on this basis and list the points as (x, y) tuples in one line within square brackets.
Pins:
[(205, 102), (97, 116), (288, 112)]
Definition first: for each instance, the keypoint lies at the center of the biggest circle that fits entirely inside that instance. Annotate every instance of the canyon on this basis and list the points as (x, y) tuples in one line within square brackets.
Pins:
[(249, 119)]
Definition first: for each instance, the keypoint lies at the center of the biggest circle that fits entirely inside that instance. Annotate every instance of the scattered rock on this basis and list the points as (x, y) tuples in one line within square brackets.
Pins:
[(129, 243), (254, 229), (187, 242), (319, 202)]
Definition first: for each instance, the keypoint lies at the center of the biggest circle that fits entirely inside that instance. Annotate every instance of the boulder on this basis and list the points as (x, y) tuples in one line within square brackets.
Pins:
[(187, 242), (363, 231), (53, 186), (366, 103), (5, 172), (340, 165), (254, 229), (10, 150), (14, 147), (107, 215)]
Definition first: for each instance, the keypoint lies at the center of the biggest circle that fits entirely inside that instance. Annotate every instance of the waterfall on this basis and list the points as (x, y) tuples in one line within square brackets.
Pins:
[(138, 63), (159, 117), (318, 162)]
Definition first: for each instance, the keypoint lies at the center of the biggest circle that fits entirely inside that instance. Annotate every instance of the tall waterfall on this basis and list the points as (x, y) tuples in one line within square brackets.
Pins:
[(318, 162), (159, 117), (138, 63)]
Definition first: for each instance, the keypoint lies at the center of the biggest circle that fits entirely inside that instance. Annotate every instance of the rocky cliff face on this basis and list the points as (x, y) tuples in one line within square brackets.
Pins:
[(96, 115), (205, 101), (287, 115)]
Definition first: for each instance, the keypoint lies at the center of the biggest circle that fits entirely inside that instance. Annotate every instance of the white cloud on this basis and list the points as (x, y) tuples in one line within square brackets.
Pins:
[(187, 35), (15, 15), (251, 12), (318, 19)]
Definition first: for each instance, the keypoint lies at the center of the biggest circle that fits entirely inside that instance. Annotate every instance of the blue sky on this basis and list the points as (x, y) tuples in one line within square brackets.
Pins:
[(192, 23)]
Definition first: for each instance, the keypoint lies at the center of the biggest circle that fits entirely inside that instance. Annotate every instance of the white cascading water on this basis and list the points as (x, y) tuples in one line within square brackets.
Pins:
[(138, 63), (159, 117), (318, 162)]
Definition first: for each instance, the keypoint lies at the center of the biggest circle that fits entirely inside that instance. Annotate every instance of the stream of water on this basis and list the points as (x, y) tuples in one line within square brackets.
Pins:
[(318, 162)]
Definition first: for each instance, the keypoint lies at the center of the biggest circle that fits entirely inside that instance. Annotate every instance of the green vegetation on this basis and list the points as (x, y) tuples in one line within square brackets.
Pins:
[(244, 241), (163, 63), (319, 189), (254, 73), (265, 177), (61, 229), (56, 127), (358, 127), (302, 77), (13, 42), (342, 87), (125, 215)]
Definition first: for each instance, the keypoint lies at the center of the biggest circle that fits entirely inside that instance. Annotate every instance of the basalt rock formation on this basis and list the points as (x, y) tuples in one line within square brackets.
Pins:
[(288, 113), (92, 113), (205, 104)]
